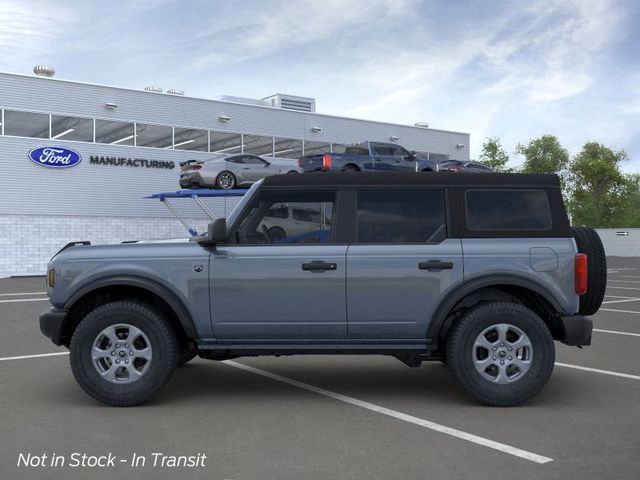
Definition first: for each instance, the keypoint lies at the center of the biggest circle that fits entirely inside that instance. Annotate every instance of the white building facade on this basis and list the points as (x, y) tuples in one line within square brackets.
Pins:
[(130, 144)]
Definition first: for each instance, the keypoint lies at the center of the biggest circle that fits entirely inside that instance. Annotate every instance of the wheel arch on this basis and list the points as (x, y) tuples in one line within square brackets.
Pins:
[(128, 287), (492, 288), (351, 165)]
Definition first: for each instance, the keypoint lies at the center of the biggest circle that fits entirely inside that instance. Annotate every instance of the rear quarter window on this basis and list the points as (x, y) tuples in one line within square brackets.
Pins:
[(507, 210)]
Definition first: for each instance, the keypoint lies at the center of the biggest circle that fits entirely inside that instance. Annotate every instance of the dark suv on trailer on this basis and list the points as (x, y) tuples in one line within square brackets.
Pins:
[(482, 272)]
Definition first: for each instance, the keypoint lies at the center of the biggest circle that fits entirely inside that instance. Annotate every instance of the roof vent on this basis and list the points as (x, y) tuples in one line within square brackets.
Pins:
[(291, 102), (175, 91), (153, 88), (44, 71)]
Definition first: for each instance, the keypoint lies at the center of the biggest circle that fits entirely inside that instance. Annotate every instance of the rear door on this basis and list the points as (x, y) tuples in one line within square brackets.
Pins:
[(401, 263)]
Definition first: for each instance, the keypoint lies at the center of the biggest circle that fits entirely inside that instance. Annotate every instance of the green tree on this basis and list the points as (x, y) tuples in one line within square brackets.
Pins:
[(599, 191), (544, 155), (494, 156), (631, 215)]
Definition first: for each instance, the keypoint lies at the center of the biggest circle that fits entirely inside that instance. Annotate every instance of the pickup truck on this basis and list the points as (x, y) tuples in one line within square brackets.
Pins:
[(369, 156)]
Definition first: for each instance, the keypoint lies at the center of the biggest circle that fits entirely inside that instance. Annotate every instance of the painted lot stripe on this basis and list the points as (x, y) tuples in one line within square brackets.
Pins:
[(18, 294), (17, 300), (617, 311), (624, 281), (485, 442), (622, 288), (621, 301), (597, 370), (616, 332), (40, 355), (629, 276)]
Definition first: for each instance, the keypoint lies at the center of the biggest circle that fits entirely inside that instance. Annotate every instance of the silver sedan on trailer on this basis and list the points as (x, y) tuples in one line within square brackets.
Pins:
[(230, 171)]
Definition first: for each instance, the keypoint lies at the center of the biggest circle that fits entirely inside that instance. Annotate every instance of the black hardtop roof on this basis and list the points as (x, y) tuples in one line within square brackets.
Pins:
[(331, 179)]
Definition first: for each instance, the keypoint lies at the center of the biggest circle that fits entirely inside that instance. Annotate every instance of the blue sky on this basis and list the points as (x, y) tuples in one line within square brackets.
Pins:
[(515, 70)]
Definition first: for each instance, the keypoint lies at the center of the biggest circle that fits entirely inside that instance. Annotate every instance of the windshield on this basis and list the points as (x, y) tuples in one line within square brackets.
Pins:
[(246, 198)]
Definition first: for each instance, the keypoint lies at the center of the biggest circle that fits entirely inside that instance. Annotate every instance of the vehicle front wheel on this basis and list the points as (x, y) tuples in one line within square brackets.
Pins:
[(501, 352), (123, 353), (225, 180)]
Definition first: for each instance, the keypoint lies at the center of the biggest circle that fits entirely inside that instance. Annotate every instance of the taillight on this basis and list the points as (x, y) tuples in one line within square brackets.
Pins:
[(326, 161), (299, 163), (196, 167), (581, 274)]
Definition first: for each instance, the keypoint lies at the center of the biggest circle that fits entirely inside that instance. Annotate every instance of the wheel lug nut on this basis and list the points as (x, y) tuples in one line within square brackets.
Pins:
[(126, 345), (495, 348), (494, 357), (126, 360), (117, 345), (510, 357), (113, 353), (118, 361), (510, 348), (501, 362), (502, 344), (131, 353)]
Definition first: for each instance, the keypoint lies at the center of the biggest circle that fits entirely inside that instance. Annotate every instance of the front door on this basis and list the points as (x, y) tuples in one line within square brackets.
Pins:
[(401, 263), (279, 282)]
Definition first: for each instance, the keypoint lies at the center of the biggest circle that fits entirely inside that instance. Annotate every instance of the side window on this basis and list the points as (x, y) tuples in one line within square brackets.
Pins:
[(238, 159), (507, 210), (268, 220), (383, 150), (401, 216), (399, 151), (252, 160)]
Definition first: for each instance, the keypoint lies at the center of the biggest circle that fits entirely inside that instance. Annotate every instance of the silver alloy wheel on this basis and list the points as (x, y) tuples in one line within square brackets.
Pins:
[(502, 353), (226, 180), (121, 353)]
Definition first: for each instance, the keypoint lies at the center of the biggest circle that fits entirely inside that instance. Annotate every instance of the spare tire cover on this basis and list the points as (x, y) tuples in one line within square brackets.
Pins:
[(588, 242)]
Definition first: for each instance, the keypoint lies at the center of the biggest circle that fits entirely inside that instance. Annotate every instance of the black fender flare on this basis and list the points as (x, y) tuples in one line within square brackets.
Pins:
[(178, 307), (457, 294)]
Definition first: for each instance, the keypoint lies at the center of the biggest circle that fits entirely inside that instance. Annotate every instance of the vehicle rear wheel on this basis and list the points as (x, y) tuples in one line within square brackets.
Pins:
[(588, 242), (123, 353), (225, 180), (501, 352), (350, 168), (277, 233), (292, 171)]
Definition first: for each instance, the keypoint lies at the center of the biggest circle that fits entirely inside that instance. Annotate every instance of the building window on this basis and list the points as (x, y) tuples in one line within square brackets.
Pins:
[(26, 124), (287, 148), (338, 148), (224, 142), (316, 148), (157, 136), (115, 133), (191, 139), (257, 145), (71, 128)]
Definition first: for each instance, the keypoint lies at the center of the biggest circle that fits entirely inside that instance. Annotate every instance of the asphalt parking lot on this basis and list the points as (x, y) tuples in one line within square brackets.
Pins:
[(344, 417)]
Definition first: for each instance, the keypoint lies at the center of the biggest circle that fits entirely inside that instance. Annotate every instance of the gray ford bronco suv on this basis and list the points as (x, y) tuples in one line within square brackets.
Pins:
[(481, 272)]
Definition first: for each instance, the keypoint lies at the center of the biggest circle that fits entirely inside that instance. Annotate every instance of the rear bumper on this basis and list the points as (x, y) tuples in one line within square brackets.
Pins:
[(575, 330), (52, 324)]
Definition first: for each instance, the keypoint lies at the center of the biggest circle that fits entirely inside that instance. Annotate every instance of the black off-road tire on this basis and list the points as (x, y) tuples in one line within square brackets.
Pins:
[(460, 353), (161, 336), (588, 242)]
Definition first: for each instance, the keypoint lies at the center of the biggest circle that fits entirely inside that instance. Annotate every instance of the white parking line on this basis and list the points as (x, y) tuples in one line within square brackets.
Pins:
[(629, 276), (24, 357), (25, 293), (18, 300), (624, 281), (597, 370), (616, 332), (621, 301), (485, 442), (617, 311), (622, 288)]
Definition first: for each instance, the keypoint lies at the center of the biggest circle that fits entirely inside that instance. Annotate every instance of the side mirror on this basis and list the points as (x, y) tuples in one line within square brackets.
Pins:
[(411, 156), (216, 233)]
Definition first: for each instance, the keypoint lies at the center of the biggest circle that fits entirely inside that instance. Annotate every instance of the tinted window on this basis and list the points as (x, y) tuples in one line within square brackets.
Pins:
[(253, 160), (357, 151), (191, 139), (222, 142), (71, 128), (268, 219), (508, 210), (239, 159), (115, 133), (401, 216), (26, 124), (157, 136)]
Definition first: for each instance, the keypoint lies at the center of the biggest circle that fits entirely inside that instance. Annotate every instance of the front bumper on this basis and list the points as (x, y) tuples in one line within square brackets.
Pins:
[(52, 324), (575, 330)]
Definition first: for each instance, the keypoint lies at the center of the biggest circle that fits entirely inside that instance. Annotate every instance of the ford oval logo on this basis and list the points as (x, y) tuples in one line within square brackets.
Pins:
[(55, 157)]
